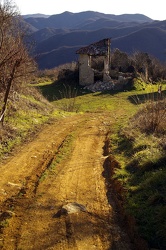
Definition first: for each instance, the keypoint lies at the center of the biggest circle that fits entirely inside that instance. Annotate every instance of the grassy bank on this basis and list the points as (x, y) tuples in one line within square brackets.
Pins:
[(139, 147), (25, 114)]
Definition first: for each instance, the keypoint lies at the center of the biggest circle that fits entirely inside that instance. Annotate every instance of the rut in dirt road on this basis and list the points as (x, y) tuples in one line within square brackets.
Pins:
[(70, 209)]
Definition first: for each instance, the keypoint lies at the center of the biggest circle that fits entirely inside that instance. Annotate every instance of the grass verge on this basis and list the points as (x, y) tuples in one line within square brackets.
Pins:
[(25, 114), (140, 150)]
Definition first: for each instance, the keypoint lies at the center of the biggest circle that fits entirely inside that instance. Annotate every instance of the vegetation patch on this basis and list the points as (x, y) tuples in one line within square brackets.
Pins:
[(140, 149), (63, 152), (24, 115)]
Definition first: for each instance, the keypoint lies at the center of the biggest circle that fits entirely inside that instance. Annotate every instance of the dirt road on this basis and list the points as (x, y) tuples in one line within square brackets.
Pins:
[(68, 209)]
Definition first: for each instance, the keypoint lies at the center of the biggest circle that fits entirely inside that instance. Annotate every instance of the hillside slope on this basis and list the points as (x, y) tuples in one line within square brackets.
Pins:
[(73, 30), (61, 48), (149, 40)]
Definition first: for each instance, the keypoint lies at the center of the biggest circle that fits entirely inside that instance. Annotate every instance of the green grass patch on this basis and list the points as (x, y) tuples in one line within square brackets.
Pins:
[(98, 102), (61, 155)]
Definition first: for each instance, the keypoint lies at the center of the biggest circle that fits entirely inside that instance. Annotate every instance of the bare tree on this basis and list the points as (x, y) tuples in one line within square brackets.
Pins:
[(120, 60), (15, 62), (142, 64), (158, 70)]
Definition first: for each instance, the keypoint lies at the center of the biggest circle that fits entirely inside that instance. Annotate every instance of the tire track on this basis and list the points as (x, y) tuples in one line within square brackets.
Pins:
[(40, 221)]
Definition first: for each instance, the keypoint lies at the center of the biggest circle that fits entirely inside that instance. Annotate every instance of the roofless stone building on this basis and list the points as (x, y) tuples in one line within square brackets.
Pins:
[(99, 49)]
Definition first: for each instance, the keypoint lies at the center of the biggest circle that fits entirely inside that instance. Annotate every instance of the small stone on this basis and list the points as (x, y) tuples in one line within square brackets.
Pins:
[(70, 208)]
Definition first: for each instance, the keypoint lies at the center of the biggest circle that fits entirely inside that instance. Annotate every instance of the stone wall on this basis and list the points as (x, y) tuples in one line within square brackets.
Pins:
[(86, 73)]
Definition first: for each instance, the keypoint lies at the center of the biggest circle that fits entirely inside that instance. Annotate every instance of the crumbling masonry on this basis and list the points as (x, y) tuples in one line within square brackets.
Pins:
[(99, 49)]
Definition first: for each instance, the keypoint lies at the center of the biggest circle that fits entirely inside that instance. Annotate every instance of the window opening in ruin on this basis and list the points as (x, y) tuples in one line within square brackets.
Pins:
[(97, 64)]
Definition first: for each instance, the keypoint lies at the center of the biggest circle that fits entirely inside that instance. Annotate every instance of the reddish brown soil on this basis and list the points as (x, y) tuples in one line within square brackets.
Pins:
[(31, 209)]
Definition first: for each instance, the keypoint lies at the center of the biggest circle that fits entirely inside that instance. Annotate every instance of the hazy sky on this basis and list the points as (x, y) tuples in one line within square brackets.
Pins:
[(154, 9)]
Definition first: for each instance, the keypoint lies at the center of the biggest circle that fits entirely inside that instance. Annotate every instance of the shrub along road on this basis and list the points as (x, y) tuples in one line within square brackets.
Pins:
[(53, 191)]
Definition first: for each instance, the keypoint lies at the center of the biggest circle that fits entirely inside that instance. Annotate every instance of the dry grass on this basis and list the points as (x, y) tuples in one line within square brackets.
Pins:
[(152, 118), (141, 145)]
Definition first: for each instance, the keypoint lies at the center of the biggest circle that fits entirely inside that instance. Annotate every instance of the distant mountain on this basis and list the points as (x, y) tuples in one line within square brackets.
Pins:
[(57, 37), (35, 16), (45, 33), (57, 57), (69, 20), (150, 40)]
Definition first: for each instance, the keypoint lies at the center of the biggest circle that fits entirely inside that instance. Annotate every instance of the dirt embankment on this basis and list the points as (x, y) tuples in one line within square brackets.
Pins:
[(72, 208)]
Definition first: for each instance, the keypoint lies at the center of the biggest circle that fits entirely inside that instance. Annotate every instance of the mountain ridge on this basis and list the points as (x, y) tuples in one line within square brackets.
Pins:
[(70, 20), (128, 32)]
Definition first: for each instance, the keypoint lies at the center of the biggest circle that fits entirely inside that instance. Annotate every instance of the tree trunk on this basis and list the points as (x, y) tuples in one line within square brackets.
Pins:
[(146, 73), (9, 84)]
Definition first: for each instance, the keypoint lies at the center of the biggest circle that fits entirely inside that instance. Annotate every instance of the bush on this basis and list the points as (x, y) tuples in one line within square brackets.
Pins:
[(152, 118), (68, 76)]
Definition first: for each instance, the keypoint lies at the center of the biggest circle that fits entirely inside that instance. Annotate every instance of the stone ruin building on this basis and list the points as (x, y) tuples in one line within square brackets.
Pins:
[(100, 50)]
